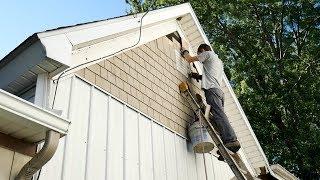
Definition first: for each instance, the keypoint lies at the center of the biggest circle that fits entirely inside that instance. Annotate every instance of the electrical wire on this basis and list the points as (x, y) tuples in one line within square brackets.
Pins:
[(138, 41), (65, 71), (202, 139), (39, 174)]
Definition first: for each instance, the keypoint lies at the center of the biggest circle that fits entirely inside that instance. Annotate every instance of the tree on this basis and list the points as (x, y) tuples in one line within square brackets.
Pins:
[(272, 51)]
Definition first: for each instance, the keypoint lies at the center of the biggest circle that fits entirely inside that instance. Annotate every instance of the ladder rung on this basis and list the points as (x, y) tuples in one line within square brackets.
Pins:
[(233, 159)]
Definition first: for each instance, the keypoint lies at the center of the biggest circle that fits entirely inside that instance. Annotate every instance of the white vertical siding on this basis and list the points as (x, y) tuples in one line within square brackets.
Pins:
[(5, 163), (19, 160), (191, 163), (115, 140), (170, 153), (131, 144), (200, 167), (209, 166), (110, 140), (181, 150), (97, 139), (76, 140), (11, 163), (159, 159), (145, 147)]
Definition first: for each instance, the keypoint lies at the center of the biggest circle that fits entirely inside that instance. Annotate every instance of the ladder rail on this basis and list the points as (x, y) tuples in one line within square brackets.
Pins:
[(230, 159)]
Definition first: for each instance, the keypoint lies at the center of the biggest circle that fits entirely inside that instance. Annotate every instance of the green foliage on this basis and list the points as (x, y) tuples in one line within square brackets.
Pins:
[(272, 51)]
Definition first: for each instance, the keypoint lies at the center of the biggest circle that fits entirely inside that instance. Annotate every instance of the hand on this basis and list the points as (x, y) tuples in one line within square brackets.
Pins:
[(195, 76), (183, 52)]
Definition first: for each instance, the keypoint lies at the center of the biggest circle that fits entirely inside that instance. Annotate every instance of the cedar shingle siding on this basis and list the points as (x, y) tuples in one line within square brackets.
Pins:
[(147, 79)]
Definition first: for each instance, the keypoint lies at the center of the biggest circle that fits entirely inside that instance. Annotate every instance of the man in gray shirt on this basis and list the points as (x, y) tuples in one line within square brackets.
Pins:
[(211, 82)]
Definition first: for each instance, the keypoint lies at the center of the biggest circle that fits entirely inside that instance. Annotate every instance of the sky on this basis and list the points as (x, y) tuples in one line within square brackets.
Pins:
[(19, 19)]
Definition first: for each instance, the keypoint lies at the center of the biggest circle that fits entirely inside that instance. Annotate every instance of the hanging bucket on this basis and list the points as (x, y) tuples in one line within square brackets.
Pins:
[(200, 138)]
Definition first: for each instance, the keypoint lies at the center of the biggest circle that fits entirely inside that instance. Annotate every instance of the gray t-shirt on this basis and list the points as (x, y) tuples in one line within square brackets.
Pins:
[(212, 70)]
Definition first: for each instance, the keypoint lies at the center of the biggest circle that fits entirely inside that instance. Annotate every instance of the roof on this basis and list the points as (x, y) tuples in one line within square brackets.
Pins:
[(93, 42), (25, 44), (34, 37), (52, 51), (23, 120)]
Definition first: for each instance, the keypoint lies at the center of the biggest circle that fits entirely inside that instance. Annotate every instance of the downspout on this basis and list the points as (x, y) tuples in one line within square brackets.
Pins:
[(41, 158)]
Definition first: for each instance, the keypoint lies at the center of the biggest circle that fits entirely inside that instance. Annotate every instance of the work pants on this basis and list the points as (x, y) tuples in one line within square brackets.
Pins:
[(215, 98)]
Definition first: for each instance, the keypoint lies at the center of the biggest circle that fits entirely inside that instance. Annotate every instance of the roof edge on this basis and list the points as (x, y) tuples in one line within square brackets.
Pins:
[(20, 48), (39, 36), (101, 22), (278, 170)]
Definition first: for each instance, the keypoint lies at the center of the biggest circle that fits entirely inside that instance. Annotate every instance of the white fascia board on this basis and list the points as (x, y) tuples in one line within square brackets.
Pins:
[(199, 27), (203, 35), (85, 35), (245, 119), (26, 114), (58, 48), (151, 17), (118, 34), (281, 173), (106, 49), (60, 44), (247, 163)]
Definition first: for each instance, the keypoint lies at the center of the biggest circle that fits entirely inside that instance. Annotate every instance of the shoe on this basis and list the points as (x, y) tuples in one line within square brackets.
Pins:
[(220, 158), (233, 146)]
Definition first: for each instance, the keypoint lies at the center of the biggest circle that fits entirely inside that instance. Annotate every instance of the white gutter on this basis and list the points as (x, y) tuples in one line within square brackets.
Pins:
[(27, 117), (16, 110)]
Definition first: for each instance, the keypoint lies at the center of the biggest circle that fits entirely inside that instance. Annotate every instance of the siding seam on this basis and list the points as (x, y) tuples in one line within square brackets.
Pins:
[(152, 144), (165, 154), (124, 152), (107, 139), (88, 131), (139, 156), (71, 97)]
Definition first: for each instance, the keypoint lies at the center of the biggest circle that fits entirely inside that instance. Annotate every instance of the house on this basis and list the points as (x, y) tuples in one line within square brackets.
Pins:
[(119, 113)]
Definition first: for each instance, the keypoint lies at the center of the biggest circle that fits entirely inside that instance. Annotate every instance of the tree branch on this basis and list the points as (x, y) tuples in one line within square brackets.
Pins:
[(267, 37)]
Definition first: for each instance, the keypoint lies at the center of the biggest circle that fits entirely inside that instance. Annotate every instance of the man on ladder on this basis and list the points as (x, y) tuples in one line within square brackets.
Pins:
[(211, 81)]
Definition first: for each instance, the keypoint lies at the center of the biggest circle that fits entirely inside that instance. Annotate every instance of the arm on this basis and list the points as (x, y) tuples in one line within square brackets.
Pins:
[(190, 59), (185, 54), (203, 56)]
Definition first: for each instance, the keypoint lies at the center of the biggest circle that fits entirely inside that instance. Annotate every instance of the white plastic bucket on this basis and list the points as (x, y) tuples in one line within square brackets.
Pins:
[(200, 138)]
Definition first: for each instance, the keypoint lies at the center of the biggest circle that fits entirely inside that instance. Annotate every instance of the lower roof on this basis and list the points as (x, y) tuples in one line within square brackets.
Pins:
[(23, 120)]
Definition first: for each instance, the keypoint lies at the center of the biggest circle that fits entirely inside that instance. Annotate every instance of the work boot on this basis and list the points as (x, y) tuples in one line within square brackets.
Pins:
[(220, 158), (233, 146)]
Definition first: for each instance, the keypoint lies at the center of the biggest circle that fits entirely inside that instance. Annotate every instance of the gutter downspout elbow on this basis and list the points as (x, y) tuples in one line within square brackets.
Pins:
[(41, 158)]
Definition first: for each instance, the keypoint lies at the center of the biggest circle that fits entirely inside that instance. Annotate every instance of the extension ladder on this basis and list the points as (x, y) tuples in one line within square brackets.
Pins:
[(233, 159)]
